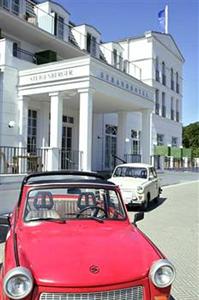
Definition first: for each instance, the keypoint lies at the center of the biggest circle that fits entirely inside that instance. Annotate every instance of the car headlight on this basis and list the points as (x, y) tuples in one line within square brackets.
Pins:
[(18, 283), (162, 273), (140, 189)]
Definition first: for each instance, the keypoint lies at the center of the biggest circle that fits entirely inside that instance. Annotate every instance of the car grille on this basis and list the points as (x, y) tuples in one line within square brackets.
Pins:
[(134, 293)]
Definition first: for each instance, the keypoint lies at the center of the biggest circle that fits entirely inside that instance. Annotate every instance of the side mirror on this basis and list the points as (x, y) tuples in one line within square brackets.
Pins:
[(4, 227), (150, 178), (139, 216)]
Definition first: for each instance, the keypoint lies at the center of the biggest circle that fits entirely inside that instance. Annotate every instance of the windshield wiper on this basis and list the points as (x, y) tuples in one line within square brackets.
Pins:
[(48, 220)]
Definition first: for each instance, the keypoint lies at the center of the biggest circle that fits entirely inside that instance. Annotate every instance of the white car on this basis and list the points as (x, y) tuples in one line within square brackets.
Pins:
[(139, 183)]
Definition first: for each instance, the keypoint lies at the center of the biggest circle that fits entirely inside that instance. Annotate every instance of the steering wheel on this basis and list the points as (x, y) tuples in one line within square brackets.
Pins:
[(95, 209), (43, 200)]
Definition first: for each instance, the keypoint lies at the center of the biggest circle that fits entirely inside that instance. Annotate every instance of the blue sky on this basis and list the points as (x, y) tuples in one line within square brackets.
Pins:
[(117, 19)]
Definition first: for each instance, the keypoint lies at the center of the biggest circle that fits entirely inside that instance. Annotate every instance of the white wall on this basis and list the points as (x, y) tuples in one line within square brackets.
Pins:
[(46, 13)]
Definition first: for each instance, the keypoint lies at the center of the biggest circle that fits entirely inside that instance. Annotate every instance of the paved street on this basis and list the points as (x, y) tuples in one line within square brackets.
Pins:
[(173, 225)]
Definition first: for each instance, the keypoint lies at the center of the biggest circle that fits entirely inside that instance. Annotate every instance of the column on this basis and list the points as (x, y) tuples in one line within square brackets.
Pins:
[(45, 125), (146, 136), (56, 115), (122, 138), (21, 156), (23, 120), (85, 128)]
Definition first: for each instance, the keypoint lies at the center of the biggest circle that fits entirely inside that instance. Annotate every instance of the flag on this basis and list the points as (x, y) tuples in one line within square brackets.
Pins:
[(161, 19)]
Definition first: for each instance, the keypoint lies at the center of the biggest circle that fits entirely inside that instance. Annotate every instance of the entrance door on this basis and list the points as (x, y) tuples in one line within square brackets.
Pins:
[(110, 146), (66, 158)]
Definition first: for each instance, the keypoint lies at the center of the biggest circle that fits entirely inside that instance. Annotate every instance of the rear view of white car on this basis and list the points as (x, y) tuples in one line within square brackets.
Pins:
[(138, 183)]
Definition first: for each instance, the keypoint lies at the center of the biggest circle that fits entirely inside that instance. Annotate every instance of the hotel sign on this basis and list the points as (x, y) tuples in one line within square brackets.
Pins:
[(55, 75)]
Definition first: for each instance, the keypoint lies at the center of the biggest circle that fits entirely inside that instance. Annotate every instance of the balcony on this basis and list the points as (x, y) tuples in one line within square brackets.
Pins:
[(37, 30)]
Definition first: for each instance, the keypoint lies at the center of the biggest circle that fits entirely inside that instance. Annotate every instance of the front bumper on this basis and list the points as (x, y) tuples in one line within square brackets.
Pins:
[(133, 198)]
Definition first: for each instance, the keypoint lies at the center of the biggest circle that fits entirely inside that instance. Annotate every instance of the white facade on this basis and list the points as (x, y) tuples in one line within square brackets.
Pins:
[(82, 103)]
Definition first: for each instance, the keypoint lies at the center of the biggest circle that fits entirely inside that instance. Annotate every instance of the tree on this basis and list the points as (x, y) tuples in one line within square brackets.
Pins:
[(190, 138)]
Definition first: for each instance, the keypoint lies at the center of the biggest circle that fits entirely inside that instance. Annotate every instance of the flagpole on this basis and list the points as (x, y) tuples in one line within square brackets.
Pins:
[(166, 29)]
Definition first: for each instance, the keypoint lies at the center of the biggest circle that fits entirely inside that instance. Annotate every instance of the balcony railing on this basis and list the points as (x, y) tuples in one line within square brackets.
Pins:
[(24, 55), (33, 14)]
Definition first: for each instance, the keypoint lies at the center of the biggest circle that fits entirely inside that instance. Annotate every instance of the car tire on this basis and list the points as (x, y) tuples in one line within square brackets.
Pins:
[(146, 202), (156, 199)]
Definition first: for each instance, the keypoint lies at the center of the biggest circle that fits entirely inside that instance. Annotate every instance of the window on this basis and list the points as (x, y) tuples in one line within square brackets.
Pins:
[(135, 141), (172, 80), (15, 50), (177, 111), (91, 44), (15, 6), (177, 83), (172, 110), (157, 73), (174, 141), (115, 58), (110, 145), (163, 74), (157, 104), (32, 131), (163, 105), (6, 4), (160, 139), (59, 26)]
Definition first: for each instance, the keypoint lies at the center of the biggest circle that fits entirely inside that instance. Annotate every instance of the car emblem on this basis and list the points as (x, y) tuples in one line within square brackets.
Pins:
[(94, 269)]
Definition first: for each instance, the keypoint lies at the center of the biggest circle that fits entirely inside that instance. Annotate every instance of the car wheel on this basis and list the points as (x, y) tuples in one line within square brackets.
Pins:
[(146, 202), (156, 199)]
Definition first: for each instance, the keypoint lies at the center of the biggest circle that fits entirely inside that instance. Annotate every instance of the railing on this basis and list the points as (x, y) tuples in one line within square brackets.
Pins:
[(70, 159), (17, 160), (24, 54), (132, 158), (38, 17)]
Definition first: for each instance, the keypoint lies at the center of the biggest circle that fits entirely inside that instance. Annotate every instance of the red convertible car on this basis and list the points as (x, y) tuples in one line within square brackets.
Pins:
[(69, 238)]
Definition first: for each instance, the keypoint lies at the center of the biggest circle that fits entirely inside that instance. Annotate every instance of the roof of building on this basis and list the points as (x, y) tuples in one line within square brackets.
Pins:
[(153, 33)]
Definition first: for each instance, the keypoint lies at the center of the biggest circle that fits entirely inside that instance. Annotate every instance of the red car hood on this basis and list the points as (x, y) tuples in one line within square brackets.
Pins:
[(63, 254)]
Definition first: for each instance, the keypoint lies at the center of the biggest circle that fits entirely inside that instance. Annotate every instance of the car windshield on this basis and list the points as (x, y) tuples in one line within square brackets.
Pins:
[(59, 204), (131, 172)]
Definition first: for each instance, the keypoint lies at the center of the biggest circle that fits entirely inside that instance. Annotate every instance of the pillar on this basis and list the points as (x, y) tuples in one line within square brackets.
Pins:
[(56, 115), (146, 136), (85, 128)]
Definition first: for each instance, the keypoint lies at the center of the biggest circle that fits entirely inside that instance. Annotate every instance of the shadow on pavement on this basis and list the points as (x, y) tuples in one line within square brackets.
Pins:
[(152, 205), (171, 298)]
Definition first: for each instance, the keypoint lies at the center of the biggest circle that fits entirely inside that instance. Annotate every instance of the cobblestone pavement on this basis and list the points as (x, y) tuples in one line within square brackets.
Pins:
[(173, 226)]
